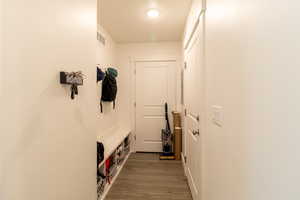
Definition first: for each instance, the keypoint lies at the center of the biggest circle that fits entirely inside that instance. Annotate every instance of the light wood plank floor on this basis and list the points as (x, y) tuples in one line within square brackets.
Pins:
[(145, 177)]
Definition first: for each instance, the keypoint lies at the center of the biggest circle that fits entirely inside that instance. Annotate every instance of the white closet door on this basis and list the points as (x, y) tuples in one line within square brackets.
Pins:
[(155, 85), (194, 97)]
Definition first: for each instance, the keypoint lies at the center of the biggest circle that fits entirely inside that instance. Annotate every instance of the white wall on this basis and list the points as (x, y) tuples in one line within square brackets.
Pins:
[(252, 71), (1, 42), (47, 141), (107, 57), (127, 54)]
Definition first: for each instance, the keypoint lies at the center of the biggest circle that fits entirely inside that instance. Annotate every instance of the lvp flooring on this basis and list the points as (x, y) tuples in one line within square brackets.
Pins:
[(145, 177)]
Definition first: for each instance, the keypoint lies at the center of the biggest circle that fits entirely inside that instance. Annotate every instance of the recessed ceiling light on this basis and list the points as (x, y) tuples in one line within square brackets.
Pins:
[(153, 13)]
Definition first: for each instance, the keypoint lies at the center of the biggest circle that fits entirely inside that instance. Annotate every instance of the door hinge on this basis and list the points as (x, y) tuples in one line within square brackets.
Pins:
[(134, 137), (134, 104), (185, 65), (185, 159), (134, 71), (185, 112)]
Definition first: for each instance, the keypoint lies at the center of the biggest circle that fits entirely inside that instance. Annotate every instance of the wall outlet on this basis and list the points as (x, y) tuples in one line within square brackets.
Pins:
[(217, 115)]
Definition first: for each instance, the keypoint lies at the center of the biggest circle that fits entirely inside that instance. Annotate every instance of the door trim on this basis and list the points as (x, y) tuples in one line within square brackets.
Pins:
[(194, 28), (194, 38), (133, 62)]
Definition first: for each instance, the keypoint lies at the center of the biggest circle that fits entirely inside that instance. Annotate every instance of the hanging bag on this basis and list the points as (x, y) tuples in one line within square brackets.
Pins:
[(109, 89)]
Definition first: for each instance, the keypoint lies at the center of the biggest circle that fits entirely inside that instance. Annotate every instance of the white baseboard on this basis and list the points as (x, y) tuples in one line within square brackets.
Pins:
[(183, 164)]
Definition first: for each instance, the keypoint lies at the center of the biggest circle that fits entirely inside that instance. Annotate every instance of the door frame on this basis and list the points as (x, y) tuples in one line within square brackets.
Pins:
[(192, 38), (133, 62)]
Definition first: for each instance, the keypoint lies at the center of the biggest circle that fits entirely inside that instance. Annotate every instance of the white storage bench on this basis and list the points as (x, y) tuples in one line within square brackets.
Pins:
[(116, 143)]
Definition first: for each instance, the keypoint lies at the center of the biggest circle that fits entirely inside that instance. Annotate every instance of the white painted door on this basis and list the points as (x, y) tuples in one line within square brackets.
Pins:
[(155, 85), (193, 102)]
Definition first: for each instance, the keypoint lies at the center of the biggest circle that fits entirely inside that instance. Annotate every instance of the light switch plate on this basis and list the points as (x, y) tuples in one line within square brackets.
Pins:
[(217, 115)]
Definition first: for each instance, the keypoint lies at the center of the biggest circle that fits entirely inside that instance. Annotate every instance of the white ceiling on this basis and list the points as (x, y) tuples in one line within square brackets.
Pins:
[(127, 20)]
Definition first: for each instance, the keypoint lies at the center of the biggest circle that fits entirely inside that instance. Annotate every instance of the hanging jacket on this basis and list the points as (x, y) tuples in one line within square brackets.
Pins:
[(109, 89)]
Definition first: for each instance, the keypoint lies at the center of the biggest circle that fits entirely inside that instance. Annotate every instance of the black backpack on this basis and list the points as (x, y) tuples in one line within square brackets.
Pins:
[(109, 89)]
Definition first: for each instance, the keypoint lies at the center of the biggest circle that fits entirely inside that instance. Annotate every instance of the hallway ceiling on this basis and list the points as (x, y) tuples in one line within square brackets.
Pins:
[(127, 20)]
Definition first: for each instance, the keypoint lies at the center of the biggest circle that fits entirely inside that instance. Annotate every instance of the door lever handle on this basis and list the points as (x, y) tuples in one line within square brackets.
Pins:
[(196, 132)]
